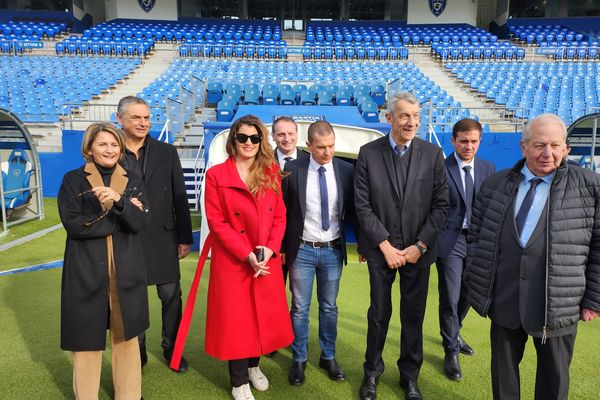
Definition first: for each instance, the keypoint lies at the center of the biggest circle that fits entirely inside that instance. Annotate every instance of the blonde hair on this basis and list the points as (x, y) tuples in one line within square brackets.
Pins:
[(261, 176), (92, 131)]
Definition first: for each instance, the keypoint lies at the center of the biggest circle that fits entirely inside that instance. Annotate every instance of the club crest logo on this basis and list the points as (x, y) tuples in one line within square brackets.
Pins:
[(437, 7), (148, 5)]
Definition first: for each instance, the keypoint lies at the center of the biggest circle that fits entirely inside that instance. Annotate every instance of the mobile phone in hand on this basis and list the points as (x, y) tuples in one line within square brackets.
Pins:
[(259, 252)]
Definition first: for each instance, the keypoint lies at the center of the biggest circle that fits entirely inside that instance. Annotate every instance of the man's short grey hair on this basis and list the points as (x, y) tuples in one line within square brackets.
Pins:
[(405, 96), (542, 120), (126, 101)]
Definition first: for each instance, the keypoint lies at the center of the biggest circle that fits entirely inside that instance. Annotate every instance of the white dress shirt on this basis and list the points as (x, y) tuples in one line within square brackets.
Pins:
[(313, 232), (461, 165), (281, 157)]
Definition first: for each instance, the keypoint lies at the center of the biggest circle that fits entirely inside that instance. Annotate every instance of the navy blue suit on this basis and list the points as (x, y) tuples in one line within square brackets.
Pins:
[(452, 251)]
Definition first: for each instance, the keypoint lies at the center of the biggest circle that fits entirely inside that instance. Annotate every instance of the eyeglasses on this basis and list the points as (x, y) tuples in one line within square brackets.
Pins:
[(243, 138), (128, 193)]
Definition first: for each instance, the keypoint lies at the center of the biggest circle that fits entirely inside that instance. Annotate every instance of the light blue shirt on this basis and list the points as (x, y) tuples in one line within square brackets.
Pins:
[(398, 149), (539, 201)]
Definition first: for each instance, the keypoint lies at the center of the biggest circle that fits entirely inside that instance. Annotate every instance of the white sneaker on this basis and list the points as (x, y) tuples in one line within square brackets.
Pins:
[(258, 379), (242, 392)]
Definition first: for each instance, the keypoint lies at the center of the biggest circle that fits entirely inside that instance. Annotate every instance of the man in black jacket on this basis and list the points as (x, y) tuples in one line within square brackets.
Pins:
[(169, 236), (401, 201), (533, 261)]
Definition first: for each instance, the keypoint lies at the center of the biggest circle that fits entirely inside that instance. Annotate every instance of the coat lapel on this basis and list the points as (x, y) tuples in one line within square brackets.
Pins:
[(389, 163), (478, 174), (153, 157), (302, 177), (413, 166), (118, 180), (340, 188), (455, 175), (231, 177), (93, 176)]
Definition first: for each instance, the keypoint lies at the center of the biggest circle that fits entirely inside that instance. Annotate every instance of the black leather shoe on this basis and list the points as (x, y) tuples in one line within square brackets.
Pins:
[(143, 357), (296, 376), (464, 347), (452, 367), (333, 369), (183, 365), (368, 388), (412, 389)]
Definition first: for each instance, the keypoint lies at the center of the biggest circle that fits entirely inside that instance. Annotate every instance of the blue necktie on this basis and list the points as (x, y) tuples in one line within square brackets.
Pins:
[(324, 199), (526, 205), (468, 192)]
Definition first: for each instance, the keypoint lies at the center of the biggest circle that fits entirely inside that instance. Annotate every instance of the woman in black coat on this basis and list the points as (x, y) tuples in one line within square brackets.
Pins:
[(104, 275)]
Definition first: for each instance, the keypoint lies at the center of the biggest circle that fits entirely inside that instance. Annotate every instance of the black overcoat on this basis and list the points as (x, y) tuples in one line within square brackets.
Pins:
[(170, 223), (84, 292)]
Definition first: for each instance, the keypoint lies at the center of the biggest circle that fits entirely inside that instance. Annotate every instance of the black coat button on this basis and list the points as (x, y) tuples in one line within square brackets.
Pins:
[(237, 214), (242, 231)]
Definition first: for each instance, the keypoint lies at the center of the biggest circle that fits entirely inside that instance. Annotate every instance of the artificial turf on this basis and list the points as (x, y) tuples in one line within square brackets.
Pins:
[(34, 367)]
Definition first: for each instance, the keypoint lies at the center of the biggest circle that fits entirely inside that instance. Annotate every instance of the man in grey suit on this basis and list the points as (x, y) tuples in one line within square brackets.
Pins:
[(465, 173), (401, 201), (533, 260), (319, 196)]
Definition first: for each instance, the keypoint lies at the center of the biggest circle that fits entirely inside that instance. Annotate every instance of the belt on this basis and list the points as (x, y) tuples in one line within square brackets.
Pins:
[(336, 243)]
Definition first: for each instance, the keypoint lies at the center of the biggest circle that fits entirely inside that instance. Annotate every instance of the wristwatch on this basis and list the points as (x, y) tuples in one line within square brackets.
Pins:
[(421, 249)]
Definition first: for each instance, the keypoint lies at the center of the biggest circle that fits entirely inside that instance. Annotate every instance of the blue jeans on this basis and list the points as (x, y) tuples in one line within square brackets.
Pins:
[(326, 264)]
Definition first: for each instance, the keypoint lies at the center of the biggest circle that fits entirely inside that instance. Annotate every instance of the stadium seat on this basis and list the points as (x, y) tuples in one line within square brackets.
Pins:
[(16, 175)]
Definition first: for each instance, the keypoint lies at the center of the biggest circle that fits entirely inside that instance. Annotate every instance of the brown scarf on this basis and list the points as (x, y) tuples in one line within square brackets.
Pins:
[(118, 183)]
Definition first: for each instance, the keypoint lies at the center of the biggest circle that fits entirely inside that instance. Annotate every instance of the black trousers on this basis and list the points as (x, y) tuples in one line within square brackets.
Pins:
[(454, 305), (170, 298), (553, 360), (238, 370), (413, 300)]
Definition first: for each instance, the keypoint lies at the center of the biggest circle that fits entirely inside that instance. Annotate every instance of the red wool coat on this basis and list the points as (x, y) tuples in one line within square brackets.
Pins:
[(246, 316)]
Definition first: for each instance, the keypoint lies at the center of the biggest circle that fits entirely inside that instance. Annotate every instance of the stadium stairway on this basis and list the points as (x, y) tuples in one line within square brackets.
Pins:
[(103, 106), (435, 71)]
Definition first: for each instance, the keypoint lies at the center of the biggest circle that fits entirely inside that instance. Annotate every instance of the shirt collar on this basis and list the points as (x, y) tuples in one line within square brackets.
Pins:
[(461, 163), (529, 175), (395, 146), (282, 156), (315, 165)]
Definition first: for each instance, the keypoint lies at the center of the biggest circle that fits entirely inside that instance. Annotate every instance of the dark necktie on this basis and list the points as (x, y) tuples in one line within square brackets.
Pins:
[(526, 205), (324, 199), (469, 190), (288, 158)]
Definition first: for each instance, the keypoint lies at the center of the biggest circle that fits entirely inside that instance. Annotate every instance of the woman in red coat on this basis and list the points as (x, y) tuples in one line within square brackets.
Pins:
[(247, 312)]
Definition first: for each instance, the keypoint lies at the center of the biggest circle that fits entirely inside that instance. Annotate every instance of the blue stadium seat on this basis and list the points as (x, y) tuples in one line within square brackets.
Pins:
[(370, 112), (288, 98), (225, 111), (16, 175)]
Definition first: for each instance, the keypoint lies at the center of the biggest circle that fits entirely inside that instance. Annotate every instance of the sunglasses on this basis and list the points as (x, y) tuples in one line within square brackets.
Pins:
[(242, 138)]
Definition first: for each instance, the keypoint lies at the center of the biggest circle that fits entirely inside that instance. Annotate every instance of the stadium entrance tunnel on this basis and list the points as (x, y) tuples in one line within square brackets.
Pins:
[(582, 137), (20, 187), (348, 140)]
